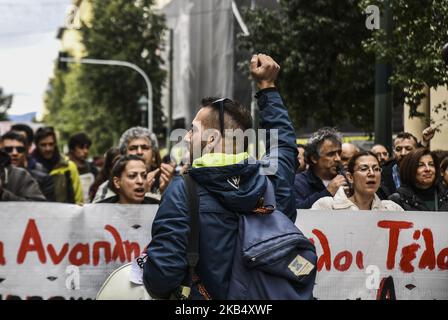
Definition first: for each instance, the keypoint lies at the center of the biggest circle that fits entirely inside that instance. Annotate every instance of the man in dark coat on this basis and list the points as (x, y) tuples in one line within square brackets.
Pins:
[(323, 178), (229, 183)]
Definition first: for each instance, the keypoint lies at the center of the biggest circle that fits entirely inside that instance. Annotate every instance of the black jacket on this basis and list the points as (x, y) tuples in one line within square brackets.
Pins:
[(308, 189), (387, 187), (409, 201), (17, 183), (41, 175)]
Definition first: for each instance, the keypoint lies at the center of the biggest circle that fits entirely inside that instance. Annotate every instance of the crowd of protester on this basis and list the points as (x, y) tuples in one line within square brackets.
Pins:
[(330, 174)]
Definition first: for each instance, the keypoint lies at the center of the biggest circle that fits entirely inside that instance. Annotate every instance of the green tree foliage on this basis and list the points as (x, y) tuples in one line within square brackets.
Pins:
[(5, 104), (326, 74), (103, 100), (420, 29)]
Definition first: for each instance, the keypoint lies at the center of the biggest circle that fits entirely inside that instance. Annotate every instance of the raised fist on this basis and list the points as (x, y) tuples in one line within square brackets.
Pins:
[(264, 70)]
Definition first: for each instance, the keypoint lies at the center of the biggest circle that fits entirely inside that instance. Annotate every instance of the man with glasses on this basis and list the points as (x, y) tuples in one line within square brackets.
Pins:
[(142, 142), (16, 184), (381, 153), (16, 146), (67, 185)]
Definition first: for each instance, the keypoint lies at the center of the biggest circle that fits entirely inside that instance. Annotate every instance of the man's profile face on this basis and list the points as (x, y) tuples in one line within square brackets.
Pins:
[(16, 151), (47, 147), (348, 151), (329, 160), (194, 137), (381, 153), (81, 153), (301, 164), (402, 147)]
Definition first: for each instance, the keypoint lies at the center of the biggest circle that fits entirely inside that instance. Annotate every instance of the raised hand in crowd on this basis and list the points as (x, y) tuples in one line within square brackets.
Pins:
[(264, 70), (336, 183), (427, 135), (167, 172)]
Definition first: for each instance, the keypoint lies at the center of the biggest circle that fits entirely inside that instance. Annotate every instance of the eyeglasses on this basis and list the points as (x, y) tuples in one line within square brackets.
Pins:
[(10, 149), (365, 169), (220, 104), (136, 146)]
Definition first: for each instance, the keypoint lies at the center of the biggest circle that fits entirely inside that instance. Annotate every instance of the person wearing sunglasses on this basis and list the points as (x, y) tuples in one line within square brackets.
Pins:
[(16, 146), (67, 185), (364, 176), (421, 188), (230, 182), (16, 184)]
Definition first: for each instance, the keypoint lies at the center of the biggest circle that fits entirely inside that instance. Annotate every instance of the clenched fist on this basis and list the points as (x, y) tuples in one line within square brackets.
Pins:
[(264, 70)]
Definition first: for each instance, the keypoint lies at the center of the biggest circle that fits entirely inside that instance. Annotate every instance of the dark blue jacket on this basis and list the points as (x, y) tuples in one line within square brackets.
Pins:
[(220, 202), (308, 189)]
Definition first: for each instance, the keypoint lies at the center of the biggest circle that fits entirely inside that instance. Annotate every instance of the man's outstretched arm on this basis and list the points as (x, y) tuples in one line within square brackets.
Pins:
[(281, 152)]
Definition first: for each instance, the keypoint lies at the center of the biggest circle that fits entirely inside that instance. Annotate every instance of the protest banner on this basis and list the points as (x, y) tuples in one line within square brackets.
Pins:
[(60, 251)]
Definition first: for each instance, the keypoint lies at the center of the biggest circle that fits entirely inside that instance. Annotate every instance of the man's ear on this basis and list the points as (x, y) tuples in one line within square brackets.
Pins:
[(349, 177), (116, 182), (313, 160), (213, 138)]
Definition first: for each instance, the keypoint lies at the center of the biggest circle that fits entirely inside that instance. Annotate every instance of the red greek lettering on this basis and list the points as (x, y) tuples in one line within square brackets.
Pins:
[(325, 258), (428, 258), (394, 232), (81, 249), (55, 257), (96, 252), (31, 241), (348, 258), (442, 261), (408, 254), (118, 251), (2, 257)]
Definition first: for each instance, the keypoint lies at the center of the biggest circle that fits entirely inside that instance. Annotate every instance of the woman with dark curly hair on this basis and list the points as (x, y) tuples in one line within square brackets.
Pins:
[(421, 188)]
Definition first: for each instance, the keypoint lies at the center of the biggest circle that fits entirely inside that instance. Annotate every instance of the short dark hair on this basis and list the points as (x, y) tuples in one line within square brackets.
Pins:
[(236, 116), (27, 129), (119, 166), (79, 140), (352, 162), (44, 132), (444, 164), (312, 148), (409, 166), (406, 135), (14, 135)]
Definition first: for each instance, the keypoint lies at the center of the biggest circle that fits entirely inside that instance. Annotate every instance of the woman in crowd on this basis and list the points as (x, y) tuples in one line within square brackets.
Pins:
[(421, 188), (99, 189), (129, 182), (364, 176)]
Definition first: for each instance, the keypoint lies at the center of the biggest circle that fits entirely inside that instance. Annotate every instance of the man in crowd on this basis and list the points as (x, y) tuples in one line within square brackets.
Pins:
[(227, 183), (301, 163), (348, 151), (67, 185), (79, 145), (16, 146), (27, 132), (141, 142), (16, 184), (403, 144), (381, 153), (322, 179)]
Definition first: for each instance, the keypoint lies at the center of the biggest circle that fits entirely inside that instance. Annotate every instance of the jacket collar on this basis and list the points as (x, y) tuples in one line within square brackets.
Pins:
[(342, 202), (219, 159)]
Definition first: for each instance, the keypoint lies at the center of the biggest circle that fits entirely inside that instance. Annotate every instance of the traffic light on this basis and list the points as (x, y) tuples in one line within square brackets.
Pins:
[(62, 65)]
